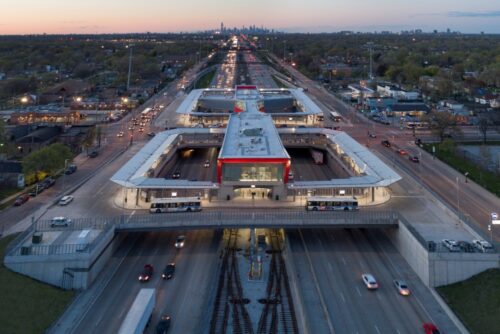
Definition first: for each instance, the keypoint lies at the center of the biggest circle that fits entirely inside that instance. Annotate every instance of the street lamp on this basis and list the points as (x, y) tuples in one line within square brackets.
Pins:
[(466, 174), (458, 198)]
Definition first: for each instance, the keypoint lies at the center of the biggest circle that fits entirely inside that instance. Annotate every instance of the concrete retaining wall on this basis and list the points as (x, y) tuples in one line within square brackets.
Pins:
[(69, 271), (439, 268)]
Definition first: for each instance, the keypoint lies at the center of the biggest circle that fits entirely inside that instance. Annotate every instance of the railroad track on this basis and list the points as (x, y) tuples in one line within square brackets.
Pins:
[(278, 315), (229, 313)]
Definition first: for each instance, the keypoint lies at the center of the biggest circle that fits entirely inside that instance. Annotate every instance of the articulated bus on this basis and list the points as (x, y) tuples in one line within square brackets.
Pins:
[(328, 203), (335, 116), (175, 204)]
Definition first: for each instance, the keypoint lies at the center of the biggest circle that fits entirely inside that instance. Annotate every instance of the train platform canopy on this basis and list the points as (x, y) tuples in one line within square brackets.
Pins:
[(251, 134)]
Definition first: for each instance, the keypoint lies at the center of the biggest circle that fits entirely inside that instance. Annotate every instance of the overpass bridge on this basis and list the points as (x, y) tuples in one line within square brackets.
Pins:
[(234, 219)]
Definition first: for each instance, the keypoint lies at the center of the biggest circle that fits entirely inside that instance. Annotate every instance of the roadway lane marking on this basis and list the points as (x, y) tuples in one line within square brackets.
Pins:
[(342, 296), (130, 216), (376, 328), (397, 331), (359, 292), (343, 261)]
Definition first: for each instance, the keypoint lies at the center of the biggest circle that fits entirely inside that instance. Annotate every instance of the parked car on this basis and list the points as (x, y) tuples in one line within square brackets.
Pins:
[(466, 246), (430, 328), (176, 175), (169, 271), (70, 169), (37, 189), (402, 287), (163, 325), (151, 134), (180, 241), (65, 200), (452, 245), (120, 134), (21, 199), (386, 143), (414, 159), (402, 152), (93, 154), (48, 182), (60, 221), (146, 273), (206, 164), (369, 281), (483, 246)]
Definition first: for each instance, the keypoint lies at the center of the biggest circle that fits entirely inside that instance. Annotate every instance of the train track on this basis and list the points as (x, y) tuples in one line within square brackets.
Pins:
[(278, 315), (229, 311)]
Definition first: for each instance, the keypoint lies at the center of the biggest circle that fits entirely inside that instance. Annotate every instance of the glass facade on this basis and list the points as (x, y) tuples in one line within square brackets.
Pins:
[(252, 172)]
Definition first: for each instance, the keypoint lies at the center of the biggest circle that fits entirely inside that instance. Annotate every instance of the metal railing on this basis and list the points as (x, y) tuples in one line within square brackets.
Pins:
[(61, 249)]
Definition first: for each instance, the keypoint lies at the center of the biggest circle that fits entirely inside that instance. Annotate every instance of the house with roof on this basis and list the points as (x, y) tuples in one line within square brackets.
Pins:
[(417, 109), (11, 174)]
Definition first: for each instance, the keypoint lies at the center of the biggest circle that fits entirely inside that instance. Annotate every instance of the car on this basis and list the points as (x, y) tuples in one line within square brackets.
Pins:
[(372, 135), (151, 134), (70, 169), (146, 273), (482, 246), (21, 199), (180, 241), (369, 281), (206, 164), (466, 246), (48, 182), (494, 216), (37, 189), (452, 245), (402, 287), (402, 152), (430, 328), (386, 143), (131, 128), (120, 134), (169, 271), (141, 129), (65, 200), (60, 221), (414, 158), (176, 175), (163, 325), (93, 154), (290, 176)]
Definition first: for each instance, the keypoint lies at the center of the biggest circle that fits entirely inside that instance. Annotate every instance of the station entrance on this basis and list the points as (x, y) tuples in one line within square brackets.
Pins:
[(253, 193)]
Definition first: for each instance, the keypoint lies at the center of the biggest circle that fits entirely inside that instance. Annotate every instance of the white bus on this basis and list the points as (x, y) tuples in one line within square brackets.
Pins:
[(335, 116), (328, 203), (145, 112), (139, 314), (175, 204)]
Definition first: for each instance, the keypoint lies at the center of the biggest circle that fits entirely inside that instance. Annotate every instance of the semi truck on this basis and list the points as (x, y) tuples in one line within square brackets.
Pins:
[(139, 314)]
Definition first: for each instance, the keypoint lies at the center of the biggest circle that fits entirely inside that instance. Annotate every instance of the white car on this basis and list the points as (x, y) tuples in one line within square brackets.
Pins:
[(207, 164), (452, 245), (483, 246), (60, 221), (402, 287), (120, 134), (179, 242), (369, 281), (65, 200), (494, 216)]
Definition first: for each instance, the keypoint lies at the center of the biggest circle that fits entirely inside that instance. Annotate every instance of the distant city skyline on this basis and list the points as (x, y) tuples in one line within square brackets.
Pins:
[(128, 16)]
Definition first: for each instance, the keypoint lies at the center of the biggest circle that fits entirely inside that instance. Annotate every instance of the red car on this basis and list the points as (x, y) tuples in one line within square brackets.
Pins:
[(146, 273), (22, 199), (431, 329), (415, 159)]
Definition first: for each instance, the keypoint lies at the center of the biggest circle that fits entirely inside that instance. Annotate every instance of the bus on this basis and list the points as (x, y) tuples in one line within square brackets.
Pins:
[(145, 113), (140, 313), (328, 203), (417, 125), (335, 116), (175, 204)]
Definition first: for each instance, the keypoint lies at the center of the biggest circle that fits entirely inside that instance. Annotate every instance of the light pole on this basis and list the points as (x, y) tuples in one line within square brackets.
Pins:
[(284, 50), (458, 198), (129, 65), (491, 233), (466, 174), (64, 176)]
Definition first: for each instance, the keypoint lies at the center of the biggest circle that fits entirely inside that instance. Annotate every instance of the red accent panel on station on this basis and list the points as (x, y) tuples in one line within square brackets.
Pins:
[(246, 87)]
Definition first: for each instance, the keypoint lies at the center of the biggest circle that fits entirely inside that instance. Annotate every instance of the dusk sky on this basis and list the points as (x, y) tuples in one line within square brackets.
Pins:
[(120, 16)]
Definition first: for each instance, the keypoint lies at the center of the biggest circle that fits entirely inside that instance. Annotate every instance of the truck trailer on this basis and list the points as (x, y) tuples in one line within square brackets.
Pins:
[(139, 314)]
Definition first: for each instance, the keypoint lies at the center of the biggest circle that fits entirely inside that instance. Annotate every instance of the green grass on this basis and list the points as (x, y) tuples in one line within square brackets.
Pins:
[(279, 83), (7, 191), (476, 301), (26, 305), (205, 80), (486, 179)]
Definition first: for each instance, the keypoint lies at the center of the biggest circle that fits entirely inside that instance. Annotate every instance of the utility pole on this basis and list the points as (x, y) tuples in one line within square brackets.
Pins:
[(284, 50), (370, 48)]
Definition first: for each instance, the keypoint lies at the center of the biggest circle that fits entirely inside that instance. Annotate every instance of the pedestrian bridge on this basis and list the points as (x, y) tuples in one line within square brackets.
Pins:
[(235, 219)]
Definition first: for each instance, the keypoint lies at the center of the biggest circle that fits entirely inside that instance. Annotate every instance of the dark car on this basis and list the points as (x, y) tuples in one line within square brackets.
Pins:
[(48, 182), (466, 246), (176, 175), (386, 143), (414, 158), (21, 199), (70, 169), (169, 271), (93, 154), (37, 189), (163, 325), (151, 134), (146, 273)]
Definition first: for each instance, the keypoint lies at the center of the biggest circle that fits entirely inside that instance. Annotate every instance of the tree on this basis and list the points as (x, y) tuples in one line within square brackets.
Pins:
[(441, 123), (484, 124), (48, 160), (89, 139)]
